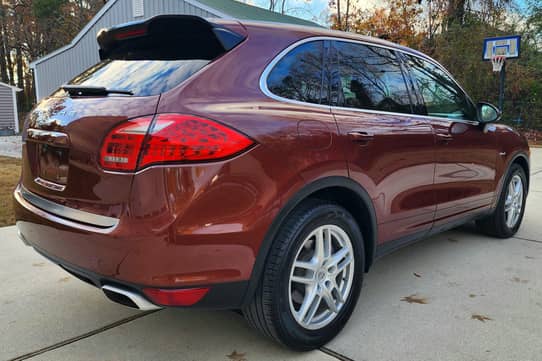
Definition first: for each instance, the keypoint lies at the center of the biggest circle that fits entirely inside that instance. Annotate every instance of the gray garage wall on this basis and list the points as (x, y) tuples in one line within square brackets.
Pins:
[(54, 71), (8, 112)]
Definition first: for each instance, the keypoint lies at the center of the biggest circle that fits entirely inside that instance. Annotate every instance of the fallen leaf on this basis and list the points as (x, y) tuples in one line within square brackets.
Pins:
[(41, 264), (472, 295), (417, 275), (453, 240), (415, 299), (529, 257), (481, 318), (519, 280), (237, 356), (64, 279)]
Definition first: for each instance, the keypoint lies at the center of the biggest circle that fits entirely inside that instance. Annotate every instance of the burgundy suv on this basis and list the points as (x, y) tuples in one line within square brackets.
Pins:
[(258, 167)]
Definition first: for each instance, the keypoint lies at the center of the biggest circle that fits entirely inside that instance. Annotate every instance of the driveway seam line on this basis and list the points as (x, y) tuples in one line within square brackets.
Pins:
[(334, 354), (527, 239), (81, 337)]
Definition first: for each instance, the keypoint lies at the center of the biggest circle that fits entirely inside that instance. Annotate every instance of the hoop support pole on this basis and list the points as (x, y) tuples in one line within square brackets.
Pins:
[(502, 77)]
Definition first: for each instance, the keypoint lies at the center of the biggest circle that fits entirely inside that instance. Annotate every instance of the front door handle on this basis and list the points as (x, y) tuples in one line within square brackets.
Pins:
[(360, 136)]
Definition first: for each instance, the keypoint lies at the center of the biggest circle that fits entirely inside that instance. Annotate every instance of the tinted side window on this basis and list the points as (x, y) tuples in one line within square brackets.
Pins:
[(370, 78), (298, 75), (441, 95)]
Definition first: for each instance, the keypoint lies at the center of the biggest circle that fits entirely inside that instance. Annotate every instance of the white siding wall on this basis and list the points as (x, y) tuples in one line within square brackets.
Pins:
[(7, 110), (55, 71)]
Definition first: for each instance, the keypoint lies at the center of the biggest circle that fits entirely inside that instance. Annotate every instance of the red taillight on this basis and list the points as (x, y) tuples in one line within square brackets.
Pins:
[(180, 297), (177, 137), (121, 147), (172, 138)]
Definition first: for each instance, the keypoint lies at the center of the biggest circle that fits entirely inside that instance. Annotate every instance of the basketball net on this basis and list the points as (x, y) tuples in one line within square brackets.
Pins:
[(497, 61)]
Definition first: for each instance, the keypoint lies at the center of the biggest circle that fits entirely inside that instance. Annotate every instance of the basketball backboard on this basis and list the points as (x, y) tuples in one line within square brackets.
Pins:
[(507, 46)]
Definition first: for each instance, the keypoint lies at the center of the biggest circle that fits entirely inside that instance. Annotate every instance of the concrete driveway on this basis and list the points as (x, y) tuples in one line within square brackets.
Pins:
[(456, 296)]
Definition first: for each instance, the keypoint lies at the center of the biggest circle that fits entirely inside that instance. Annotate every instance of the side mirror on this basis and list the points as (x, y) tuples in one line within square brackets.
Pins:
[(488, 113)]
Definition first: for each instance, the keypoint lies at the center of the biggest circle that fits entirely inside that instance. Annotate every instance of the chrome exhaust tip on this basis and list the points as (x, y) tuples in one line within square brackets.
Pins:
[(128, 298)]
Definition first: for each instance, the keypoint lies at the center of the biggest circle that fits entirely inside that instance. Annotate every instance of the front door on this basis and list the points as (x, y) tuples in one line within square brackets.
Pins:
[(389, 151), (465, 151)]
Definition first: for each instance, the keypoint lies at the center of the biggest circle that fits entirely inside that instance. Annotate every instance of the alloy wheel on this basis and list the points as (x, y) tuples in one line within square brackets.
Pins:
[(514, 201), (321, 277)]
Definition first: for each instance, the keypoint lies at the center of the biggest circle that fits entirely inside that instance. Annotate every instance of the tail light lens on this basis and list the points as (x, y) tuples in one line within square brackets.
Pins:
[(122, 145), (169, 138)]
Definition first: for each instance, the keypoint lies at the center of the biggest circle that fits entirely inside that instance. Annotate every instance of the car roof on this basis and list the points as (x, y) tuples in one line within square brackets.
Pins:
[(302, 32)]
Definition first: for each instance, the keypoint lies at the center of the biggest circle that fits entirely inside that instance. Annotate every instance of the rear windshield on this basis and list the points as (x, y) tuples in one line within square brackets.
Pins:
[(141, 77)]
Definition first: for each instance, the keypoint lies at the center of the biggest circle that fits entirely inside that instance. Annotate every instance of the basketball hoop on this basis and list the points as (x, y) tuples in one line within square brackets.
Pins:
[(497, 61)]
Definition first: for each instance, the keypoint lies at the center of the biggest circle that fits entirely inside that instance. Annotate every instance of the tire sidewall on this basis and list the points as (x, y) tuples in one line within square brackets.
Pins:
[(289, 328)]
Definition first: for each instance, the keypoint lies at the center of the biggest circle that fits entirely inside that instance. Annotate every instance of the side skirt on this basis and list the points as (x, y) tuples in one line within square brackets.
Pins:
[(392, 246)]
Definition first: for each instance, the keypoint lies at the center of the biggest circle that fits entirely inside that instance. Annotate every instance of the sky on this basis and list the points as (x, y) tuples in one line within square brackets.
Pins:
[(317, 10), (313, 10)]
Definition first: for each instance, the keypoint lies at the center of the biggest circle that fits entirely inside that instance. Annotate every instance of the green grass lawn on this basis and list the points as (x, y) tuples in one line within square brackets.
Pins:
[(10, 169)]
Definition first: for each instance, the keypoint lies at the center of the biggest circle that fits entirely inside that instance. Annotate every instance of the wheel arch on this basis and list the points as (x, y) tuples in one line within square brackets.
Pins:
[(341, 190), (523, 161), (520, 158)]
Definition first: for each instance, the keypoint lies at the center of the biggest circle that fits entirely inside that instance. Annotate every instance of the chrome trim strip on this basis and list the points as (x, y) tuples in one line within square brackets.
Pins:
[(48, 136), (64, 215), (271, 65), (139, 300), (22, 238), (50, 185)]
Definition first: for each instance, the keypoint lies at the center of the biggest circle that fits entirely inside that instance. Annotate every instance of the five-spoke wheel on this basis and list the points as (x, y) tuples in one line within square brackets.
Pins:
[(312, 277), (321, 276)]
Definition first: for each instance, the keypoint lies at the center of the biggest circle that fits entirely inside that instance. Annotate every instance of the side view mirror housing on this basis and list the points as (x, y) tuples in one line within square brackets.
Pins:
[(488, 113)]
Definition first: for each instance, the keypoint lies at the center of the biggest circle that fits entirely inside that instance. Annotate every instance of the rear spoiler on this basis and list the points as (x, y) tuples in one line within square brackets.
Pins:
[(167, 37)]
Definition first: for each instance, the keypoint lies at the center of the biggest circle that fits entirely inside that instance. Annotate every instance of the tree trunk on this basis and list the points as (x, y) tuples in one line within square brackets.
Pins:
[(9, 65), (3, 66), (347, 16), (339, 15), (456, 12)]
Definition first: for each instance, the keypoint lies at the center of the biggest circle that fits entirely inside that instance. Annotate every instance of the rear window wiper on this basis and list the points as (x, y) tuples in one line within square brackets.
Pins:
[(88, 90)]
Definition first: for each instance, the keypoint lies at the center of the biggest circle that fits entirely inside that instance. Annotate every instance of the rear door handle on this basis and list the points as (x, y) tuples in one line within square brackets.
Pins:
[(444, 138), (360, 136)]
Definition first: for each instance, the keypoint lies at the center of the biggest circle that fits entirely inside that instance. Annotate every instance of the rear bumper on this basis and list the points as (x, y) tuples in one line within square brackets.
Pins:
[(133, 258), (220, 296)]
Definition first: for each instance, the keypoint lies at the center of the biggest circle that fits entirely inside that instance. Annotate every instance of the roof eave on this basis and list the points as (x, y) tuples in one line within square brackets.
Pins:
[(11, 86)]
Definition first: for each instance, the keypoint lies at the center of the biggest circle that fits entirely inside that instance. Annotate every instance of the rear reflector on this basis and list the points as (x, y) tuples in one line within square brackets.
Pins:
[(171, 138), (179, 297)]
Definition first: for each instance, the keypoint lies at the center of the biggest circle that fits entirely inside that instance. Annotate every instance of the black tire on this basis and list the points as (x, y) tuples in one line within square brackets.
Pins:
[(269, 310), (495, 224)]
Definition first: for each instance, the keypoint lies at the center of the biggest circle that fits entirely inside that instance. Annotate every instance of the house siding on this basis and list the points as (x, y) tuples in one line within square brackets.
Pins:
[(7, 112), (62, 67)]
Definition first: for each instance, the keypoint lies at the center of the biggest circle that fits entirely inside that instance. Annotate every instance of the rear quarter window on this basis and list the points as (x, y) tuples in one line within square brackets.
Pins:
[(141, 77), (298, 75)]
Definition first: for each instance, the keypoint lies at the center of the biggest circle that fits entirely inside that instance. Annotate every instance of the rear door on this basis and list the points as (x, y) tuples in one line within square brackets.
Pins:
[(465, 151), (389, 150)]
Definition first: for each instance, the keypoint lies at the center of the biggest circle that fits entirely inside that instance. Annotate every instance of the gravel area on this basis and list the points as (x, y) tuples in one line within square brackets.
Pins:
[(11, 146)]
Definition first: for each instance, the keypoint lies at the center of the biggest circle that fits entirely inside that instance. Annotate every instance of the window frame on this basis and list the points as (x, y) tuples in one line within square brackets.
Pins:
[(276, 59)]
